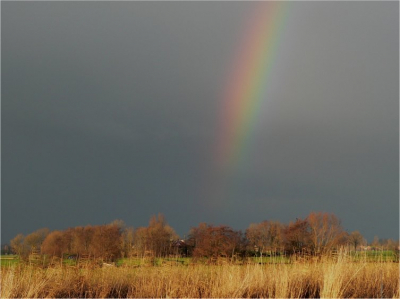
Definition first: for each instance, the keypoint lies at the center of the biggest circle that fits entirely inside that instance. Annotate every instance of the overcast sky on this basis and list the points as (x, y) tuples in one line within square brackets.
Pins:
[(110, 110)]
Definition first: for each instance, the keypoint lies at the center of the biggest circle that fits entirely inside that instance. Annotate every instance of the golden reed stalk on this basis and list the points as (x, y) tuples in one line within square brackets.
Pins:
[(325, 277)]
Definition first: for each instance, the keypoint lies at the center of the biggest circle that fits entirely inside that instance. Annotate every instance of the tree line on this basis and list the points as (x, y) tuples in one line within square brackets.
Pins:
[(318, 233)]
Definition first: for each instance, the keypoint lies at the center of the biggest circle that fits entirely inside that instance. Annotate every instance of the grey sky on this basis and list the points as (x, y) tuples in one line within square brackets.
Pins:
[(110, 110)]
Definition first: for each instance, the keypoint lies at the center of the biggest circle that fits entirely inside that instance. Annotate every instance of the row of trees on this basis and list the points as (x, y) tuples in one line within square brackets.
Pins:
[(318, 233), (108, 241)]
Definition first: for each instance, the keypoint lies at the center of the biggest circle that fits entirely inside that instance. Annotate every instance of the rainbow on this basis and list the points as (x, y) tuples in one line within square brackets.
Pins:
[(241, 99), (247, 82)]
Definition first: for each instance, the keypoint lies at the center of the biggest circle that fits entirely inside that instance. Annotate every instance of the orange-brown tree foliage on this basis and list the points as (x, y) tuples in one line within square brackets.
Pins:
[(54, 244), (266, 235), (127, 241), (156, 239), (34, 240), (18, 246), (215, 241), (102, 241), (106, 242), (296, 236), (326, 232), (355, 239), (318, 233)]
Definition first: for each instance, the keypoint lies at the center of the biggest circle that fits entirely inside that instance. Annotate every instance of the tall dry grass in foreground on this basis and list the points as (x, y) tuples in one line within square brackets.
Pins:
[(325, 278)]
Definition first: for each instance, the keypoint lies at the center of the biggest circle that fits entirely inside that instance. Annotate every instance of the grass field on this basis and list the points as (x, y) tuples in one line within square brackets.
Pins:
[(376, 256), (365, 256), (8, 260), (341, 277)]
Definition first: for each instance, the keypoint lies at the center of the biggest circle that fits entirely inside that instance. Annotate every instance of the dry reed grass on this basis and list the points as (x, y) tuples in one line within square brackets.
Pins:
[(323, 278)]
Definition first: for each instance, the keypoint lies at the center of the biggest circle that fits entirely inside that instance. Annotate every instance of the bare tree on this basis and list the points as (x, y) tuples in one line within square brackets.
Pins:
[(392, 245), (296, 236), (266, 235), (257, 237), (160, 236), (376, 243), (81, 239), (214, 241), (54, 244), (106, 242), (18, 245), (326, 231), (128, 239), (140, 241), (356, 239), (102, 241), (34, 240)]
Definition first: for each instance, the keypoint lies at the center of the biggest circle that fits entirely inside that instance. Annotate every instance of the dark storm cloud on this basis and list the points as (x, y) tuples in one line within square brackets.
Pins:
[(110, 111)]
